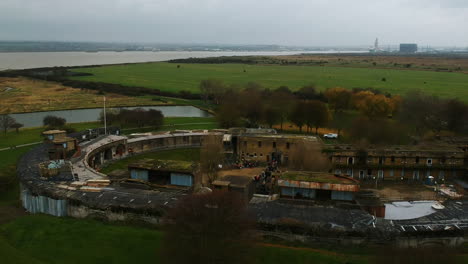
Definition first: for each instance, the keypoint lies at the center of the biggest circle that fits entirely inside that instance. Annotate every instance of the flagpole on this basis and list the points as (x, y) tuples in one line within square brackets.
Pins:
[(105, 121)]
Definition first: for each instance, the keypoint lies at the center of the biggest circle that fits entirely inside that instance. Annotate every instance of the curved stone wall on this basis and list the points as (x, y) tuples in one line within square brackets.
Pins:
[(41, 195)]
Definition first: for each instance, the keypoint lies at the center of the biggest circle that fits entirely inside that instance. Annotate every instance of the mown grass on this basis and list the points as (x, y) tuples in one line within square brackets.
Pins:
[(9, 187), (190, 155), (46, 239), (167, 77)]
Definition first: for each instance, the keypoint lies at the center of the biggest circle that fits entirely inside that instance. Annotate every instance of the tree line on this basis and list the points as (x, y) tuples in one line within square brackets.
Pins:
[(359, 114), (138, 117)]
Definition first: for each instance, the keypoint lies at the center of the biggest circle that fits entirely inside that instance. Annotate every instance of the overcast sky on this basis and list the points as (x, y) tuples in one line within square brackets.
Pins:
[(286, 22)]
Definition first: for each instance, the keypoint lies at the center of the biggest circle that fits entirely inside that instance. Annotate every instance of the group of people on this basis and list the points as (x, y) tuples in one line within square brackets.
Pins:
[(242, 164), (266, 179)]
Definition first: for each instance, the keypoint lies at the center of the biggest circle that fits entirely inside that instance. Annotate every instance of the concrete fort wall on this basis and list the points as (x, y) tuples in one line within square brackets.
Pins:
[(40, 195), (123, 148)]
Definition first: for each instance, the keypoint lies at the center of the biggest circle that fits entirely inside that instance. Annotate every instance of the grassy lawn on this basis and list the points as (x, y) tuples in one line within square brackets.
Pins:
[(46, 239), (9, 187), (177, 154), (167, 77)]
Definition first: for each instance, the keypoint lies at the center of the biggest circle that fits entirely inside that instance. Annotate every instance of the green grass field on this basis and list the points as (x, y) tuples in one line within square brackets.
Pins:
[(46, 239), (176, 154), (167, 77)]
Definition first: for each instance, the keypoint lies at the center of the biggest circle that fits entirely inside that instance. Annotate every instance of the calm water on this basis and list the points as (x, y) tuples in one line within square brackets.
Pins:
[(25, 60), (89, 115)]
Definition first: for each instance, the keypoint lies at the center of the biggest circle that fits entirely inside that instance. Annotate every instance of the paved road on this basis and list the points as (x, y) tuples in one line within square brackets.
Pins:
[(20, 146)]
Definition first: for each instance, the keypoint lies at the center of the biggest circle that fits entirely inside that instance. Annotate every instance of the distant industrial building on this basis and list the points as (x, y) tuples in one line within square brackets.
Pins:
[(408, 48)]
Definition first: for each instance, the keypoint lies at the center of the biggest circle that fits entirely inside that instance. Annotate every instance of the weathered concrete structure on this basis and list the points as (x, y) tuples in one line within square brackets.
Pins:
[(74, 195)]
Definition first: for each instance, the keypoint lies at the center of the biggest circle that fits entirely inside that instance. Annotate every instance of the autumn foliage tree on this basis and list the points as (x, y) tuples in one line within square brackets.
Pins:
[(374, 105), (208, 228), (339, 99)]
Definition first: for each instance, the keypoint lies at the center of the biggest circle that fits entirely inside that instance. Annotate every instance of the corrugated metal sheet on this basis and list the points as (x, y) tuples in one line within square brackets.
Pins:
[(139, 174), (319, 185), (41, 204), (293, 192), (181, 179), (342, 196)]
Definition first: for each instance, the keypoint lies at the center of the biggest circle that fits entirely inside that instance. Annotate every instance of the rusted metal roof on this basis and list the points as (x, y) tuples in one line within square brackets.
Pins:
[(318, 180)]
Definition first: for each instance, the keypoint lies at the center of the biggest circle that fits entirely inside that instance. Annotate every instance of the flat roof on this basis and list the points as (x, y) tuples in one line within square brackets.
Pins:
[(163, 165), (52, 132), (282, 136), (309, 176), (398, 148), (63, 140), (318, 181)]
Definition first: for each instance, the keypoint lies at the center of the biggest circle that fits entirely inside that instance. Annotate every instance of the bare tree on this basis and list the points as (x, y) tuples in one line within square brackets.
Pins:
[(17, 126), (308, 156), (6, 122), (298, 115), (317, 115), (211, 156), (213, 89), (208, 228)]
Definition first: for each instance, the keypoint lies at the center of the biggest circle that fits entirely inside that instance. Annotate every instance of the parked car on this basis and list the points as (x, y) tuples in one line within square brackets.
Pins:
[(330, 135)]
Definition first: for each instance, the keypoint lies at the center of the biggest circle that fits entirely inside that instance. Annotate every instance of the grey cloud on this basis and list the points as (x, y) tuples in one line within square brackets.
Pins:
[(293, 22)]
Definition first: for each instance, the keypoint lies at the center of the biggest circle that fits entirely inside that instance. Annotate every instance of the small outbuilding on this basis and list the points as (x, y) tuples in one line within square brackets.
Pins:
[(164, 172), (317, 186), (243, 185), (62, 146)]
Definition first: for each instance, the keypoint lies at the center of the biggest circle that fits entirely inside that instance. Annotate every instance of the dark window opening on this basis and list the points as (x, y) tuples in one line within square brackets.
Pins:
[(287, 145), (392, 159), (381, 160), (274, 144), (259, 144), (417, 160)]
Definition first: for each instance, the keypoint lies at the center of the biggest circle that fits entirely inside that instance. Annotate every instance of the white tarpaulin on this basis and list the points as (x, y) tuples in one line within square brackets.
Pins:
[(408, 210)]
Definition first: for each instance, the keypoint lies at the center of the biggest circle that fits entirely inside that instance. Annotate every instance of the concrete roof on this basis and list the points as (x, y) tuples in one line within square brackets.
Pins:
[(52, 132)]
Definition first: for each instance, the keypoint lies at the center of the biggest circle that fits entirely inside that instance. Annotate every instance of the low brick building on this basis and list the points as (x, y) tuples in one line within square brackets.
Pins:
[(265, 145), (415, 162)]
